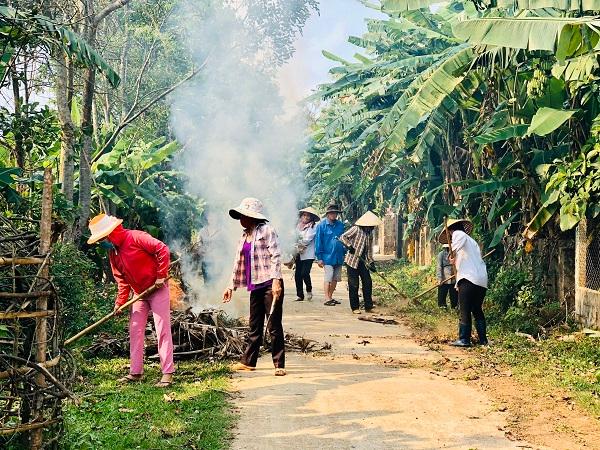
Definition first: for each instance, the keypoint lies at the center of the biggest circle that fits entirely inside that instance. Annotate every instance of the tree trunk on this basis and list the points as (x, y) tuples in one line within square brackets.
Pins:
[(85, 172), (67, 142), (19, 149), (92, 22)]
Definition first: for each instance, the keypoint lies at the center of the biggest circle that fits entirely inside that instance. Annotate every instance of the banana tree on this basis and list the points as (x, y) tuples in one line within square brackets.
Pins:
[(136, 177)]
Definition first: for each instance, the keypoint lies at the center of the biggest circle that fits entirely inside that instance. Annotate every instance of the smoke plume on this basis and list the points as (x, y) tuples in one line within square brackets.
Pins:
[(237, 140)]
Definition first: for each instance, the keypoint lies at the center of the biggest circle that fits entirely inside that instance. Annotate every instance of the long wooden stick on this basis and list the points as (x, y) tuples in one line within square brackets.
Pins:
[(444, 281), (152, 289)]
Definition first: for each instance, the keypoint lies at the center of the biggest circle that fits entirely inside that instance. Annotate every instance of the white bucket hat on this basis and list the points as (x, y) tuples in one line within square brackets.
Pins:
[(368, 219), (250, 207), (101, 226)]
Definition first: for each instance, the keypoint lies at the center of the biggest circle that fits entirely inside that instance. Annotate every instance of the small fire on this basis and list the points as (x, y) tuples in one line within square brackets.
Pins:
[(176, 295)]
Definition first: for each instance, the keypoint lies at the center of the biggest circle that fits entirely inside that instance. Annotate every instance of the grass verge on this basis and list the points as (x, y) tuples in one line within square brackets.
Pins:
[(193, 413), (572, 364)]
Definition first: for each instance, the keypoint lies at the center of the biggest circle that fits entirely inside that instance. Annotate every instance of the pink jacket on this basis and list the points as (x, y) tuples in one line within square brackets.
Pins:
[(137, 261)]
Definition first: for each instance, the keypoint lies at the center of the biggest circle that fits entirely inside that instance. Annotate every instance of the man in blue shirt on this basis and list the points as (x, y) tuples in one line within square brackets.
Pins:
[(329, 252)]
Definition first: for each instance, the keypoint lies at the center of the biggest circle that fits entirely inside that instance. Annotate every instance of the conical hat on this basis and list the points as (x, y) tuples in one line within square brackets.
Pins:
[(368, 219), (467, 224), (101, 226), (313, 212)]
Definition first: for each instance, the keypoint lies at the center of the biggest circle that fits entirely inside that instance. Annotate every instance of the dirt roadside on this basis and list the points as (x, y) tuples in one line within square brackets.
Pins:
[(377, 388)]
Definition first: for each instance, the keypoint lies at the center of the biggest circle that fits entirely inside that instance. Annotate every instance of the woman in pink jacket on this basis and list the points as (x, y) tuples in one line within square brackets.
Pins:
[(139, 261)]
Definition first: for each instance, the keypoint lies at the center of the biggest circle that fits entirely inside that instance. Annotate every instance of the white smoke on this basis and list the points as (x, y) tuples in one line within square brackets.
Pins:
[(237, 142)]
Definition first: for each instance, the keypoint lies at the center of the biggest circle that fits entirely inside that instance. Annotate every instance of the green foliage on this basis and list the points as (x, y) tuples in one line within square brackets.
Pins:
[(137, 178), (83, 301), (139, 416), (23, 28)]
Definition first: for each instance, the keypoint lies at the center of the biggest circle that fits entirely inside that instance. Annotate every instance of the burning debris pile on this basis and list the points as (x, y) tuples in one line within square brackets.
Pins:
[(205, 335)]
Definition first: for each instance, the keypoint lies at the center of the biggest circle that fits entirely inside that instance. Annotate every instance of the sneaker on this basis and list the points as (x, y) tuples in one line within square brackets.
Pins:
[(299, 299), (356, 311), (309, 296)]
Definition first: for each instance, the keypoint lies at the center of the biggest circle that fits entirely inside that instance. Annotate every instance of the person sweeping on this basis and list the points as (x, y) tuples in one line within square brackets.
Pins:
[(305, 247), (139, 261), (257, 266), (471, 279), (359, 241)]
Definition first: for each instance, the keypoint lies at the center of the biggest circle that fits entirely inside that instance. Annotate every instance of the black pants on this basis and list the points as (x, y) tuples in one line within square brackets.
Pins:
[(470, 299), (302, 276), (367, 286), (443, 291), (260, 306)]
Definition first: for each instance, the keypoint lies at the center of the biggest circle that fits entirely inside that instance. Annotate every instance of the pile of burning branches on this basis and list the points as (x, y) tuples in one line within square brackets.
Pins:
[(206, 335)]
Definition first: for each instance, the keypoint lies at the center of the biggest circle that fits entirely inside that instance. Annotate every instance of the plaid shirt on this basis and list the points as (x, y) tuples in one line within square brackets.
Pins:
[(361, 242), (265, 258)]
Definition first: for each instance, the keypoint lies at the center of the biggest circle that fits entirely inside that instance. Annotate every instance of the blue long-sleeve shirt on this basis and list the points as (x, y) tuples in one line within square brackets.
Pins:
[(327, 247)]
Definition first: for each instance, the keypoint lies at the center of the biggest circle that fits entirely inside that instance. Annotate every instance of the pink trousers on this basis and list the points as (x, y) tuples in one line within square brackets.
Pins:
[(160, 306)]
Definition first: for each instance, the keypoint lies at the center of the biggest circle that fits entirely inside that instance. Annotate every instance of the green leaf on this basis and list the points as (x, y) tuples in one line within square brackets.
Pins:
[(546, 120), (430, 93), (394, 6), (335, 58), (543, 215), (528, 33), (340, 170), (501, 134), (500, 231)]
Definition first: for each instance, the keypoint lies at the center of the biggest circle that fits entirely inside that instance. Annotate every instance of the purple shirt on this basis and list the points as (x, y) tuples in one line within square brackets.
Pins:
[(246, 250)]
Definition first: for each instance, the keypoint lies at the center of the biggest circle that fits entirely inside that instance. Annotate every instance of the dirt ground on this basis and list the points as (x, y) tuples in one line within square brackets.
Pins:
[(378, 388)]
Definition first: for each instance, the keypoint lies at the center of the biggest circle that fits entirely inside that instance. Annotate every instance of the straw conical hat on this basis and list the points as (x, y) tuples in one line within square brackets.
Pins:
[(312, 211), (467, 224), (101, 226), (368, 219)]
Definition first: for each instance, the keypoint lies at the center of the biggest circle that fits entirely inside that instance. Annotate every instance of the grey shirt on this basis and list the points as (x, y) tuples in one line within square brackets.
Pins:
[(443, 267)]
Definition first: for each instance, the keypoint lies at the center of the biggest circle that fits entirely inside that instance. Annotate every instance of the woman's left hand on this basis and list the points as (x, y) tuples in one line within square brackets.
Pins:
[(276, 288)]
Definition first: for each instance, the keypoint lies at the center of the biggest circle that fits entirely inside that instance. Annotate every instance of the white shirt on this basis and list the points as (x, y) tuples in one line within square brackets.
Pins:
[(469, 264), (307, 239)]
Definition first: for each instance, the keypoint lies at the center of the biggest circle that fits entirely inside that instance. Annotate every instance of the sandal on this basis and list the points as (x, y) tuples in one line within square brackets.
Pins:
[(280, 372), (336, 301), (165, 381), (239, 367), (330, 303), (129, 379)]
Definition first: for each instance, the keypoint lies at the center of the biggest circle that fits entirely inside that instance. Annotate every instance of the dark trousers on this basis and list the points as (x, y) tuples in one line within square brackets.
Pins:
[(470, 300), (302, 276), (260, 306), (443, 291), (367, 286)]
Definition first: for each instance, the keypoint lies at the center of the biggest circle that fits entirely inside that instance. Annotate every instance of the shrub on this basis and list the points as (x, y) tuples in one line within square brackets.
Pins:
[(82, 302)]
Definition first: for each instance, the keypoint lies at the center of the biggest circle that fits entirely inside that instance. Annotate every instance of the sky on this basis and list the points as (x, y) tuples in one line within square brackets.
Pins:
[(328, 30)]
